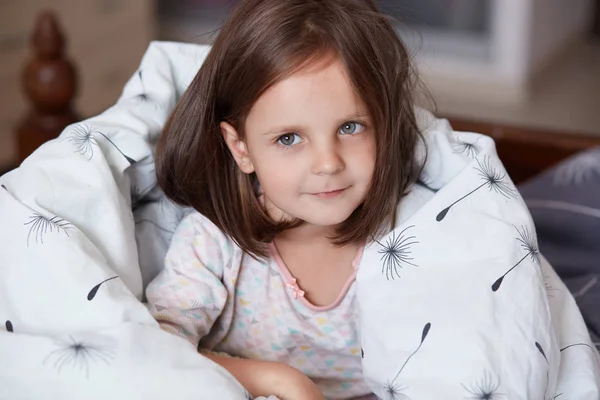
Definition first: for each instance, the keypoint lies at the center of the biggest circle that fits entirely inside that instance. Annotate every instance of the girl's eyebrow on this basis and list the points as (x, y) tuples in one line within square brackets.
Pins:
[(297, 128), (358, 115)]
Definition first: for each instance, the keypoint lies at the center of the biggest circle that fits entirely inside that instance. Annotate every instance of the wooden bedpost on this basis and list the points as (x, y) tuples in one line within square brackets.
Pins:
[(50, 83), (597, 19)]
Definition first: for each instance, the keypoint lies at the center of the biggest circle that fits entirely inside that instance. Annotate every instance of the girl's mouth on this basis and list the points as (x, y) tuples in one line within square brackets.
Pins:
[(329, 194)]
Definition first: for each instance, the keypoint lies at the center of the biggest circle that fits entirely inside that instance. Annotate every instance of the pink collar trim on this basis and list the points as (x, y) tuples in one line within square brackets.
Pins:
[(298, 293)]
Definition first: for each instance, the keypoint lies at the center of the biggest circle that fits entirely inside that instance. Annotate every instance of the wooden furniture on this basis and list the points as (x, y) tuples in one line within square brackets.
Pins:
[(105, 39), (597, 19), (50, 84), (525, 152)]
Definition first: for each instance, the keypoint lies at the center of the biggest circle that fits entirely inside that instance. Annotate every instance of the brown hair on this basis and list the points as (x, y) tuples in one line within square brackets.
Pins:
[(261, 43)]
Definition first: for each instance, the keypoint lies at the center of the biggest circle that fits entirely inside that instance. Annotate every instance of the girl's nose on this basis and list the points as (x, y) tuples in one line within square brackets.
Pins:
[(327, 161)]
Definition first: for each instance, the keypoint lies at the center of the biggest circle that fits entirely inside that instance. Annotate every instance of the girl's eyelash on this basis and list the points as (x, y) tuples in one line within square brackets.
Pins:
[(362, 124), (354, 122), (283, 146)]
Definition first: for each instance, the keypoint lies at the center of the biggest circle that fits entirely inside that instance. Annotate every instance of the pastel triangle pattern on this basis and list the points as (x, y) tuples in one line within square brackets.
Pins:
[(257, 316)]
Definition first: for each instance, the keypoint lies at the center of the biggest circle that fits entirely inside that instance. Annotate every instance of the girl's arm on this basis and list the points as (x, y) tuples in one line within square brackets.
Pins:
[(268, 378), (188, 296)]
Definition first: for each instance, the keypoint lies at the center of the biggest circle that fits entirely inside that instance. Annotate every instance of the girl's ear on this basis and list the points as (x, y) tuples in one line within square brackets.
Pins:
[(237, 147)]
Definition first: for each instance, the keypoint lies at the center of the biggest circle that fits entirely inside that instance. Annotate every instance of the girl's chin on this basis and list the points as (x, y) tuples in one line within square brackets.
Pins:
[(327, 220)]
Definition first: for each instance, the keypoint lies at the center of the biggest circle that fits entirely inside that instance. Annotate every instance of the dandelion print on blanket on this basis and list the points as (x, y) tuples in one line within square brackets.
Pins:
[(9, 326), (486, 388), (393, 390), (78, 355), (92, 293), (528, 242), (39, 226), (396, 253), (546, 397), (493, 179), (83, 139), (575, 345), (144, 97), (469, 149)]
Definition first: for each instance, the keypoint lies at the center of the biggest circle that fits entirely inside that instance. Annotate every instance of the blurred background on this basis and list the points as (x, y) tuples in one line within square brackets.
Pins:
[(527, 63)]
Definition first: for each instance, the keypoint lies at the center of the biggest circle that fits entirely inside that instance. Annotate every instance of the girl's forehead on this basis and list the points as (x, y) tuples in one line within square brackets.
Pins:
[(318, 87)]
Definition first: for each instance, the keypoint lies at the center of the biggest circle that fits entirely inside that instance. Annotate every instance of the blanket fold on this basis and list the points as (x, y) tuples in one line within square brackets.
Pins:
[(457, 301), (70, 280)]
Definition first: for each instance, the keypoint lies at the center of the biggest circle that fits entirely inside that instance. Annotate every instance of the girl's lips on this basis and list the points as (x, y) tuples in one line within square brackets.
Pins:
[(327, 195)]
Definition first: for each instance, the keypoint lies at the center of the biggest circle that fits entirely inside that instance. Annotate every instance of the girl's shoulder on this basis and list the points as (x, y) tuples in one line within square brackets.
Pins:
[(199, 245), (201, 232)]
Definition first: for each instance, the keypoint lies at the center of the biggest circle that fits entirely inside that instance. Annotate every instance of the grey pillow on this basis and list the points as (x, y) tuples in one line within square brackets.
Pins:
[(565, 204)]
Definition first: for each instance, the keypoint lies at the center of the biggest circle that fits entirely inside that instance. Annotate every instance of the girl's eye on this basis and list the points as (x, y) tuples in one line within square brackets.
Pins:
[(289, 139), (351, 128)]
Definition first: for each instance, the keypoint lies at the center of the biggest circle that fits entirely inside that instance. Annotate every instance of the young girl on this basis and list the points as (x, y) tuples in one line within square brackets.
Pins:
[(294, 144)]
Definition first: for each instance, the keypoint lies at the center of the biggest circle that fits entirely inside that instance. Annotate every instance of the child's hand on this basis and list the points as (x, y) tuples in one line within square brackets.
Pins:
[(268, 378), (290, 384)]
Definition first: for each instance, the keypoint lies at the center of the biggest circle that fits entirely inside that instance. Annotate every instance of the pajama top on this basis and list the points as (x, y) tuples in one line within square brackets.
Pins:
[(217, 297)]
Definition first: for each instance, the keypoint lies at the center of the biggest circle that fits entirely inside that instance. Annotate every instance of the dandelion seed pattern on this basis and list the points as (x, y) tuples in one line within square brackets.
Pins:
[(92, 293), (144, 97), (39, 226), (576, 344), (395, 253), (541, 350), (494, 180), (470, 149), (484, 389), (528, 242), (79, 355), (393, 390), (84, 141), (9, 326)]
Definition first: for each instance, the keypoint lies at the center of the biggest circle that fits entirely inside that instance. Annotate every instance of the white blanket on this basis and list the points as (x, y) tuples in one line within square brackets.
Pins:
[(84, 228), (72, 324), (457, 302)]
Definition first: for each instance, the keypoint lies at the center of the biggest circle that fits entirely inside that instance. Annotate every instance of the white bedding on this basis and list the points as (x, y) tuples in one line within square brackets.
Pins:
[(66, 226), (83, 229), (457, 302)]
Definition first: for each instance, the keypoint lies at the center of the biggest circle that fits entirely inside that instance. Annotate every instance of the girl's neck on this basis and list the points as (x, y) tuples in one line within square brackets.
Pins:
[(319, 268), (308, 234)]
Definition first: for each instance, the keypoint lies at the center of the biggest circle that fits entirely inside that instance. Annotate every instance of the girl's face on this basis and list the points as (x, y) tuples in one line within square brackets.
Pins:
[(311, 144)]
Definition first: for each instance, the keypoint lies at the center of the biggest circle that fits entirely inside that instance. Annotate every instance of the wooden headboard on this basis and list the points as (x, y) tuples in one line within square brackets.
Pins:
[(526, 152), (51, 83)]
